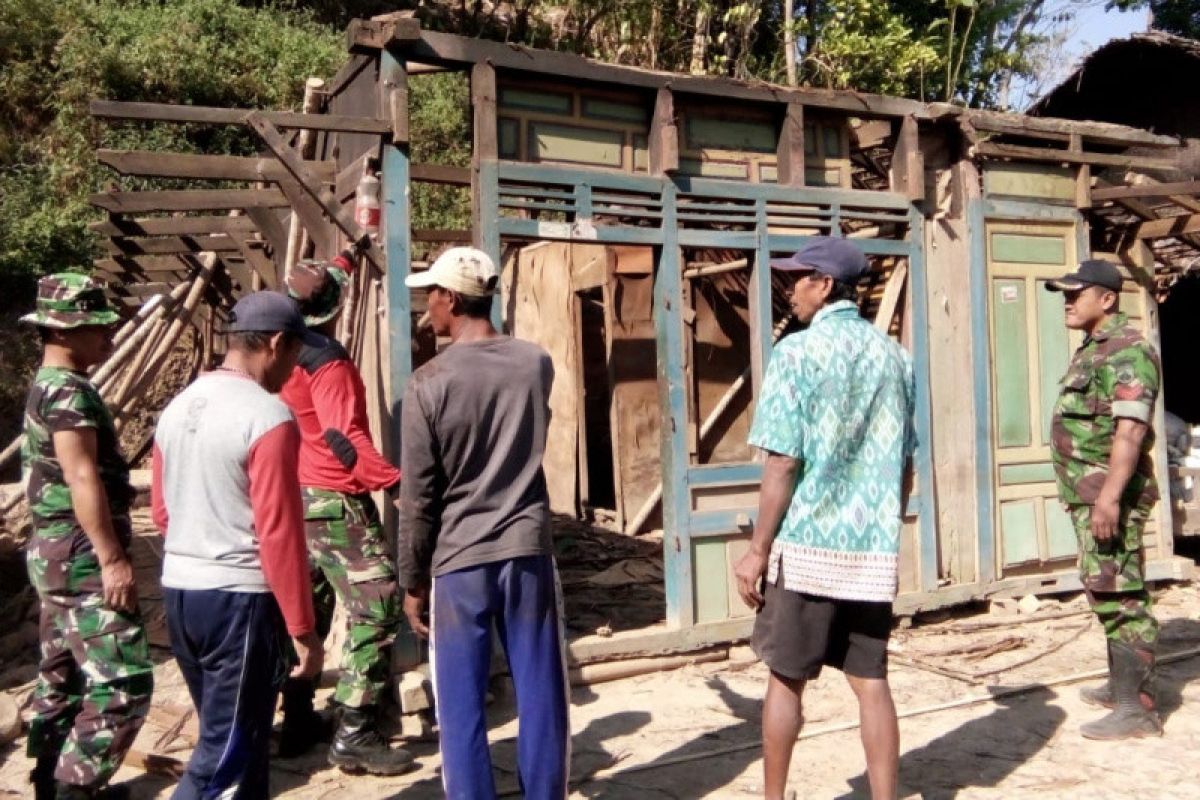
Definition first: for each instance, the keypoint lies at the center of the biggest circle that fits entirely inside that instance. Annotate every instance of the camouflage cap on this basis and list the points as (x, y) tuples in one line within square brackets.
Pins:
[(68, 300), (319, 287)]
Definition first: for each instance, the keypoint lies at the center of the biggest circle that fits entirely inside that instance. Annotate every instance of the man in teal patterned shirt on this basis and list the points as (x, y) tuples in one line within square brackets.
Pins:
[(834, 418)]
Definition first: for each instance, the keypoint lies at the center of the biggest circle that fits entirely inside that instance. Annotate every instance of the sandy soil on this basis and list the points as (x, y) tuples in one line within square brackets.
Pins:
[(693, 732)]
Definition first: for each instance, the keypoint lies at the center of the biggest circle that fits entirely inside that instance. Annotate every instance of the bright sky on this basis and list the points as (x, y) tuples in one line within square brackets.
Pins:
[(1091, 27)]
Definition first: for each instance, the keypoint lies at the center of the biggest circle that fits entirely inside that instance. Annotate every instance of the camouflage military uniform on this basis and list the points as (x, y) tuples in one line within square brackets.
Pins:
[(1115, 373), (347, 546)]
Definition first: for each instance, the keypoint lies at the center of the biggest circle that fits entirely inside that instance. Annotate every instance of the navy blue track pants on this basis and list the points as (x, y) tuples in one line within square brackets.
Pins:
[(230, 647), (521, 598)]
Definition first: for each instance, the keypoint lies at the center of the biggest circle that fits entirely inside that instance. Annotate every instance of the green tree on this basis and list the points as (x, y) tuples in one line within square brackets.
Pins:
[(1180, 17)]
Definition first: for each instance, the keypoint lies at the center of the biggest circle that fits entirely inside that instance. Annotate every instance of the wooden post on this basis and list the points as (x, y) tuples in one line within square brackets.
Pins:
[(908, 164), (314, 88), (664, 135), (790, 152), (485, 177), (1083, 175)]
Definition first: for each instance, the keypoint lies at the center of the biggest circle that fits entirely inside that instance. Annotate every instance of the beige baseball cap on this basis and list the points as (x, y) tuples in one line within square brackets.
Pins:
[(465, 270)]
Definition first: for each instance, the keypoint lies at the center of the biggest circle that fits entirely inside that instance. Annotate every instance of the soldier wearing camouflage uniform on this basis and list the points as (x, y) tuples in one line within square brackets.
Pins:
[(1101, 441), (351, 558), (95, 677)]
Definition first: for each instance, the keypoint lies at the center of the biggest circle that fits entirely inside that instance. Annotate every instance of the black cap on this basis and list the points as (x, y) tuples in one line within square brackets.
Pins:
[(1092, 272), (838, 258), (271, 312)]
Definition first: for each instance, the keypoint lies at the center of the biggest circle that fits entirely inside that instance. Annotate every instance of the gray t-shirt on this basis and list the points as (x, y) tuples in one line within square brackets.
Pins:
[(473, 431)]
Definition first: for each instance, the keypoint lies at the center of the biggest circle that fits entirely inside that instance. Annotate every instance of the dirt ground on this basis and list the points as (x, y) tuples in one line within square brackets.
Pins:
[(693, 732)]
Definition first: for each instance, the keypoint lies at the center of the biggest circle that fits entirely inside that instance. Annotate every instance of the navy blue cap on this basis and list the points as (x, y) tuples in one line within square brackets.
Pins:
[(271, 312), (838, 258), (1092, 272)]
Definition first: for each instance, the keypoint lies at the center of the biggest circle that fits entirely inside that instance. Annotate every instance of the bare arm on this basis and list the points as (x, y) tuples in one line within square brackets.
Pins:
[(76, 452), (1122, 463), (779, 477)]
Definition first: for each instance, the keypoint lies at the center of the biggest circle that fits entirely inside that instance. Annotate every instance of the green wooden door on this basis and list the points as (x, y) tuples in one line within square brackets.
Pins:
[(1030, 349)]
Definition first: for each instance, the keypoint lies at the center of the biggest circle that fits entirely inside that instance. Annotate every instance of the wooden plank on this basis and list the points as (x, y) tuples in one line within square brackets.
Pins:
[(253, 253), (379, 32), (441, 173), (323, 197), (166, 112), (789, 154), (1168, 226), (664, 135), (1054, 129), (442, 235), (1145, 190), (908, 164), (486, 148), (141, 245), (891, 297), (994, 150), (203, 167), (173, 226), (267, 222), (188, 200), (395, 102), (144, 264)]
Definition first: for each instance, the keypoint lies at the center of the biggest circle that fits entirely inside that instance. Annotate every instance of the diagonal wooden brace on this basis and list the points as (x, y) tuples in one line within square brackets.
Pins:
[(294, 164)]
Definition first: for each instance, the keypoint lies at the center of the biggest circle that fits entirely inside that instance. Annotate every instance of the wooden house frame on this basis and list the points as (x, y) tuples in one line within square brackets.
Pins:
[(963, 214)]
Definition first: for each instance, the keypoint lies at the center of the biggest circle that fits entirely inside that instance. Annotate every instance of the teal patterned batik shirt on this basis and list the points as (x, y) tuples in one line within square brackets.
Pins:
[(839, 398)]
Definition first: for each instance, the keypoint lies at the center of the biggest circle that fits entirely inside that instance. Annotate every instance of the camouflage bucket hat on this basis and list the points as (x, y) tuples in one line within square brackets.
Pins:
[(319, 288), (67, 300)]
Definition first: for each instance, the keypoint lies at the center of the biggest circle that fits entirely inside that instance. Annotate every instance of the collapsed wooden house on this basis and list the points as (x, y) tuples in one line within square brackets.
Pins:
[(634, 212)]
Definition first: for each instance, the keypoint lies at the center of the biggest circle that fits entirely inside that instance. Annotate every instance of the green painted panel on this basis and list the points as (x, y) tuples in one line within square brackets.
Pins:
[(832, 139), (818, 176), (641, 154), (1024, 248), (509, 135), (1016, 474), (768, 173), (1011, 363), (1060, 532), (1029, 180), (1054, 352), (549, 102), (709, 569), (712, 169), (1018, 531), (599, 108), (727, 134), (551, 142)]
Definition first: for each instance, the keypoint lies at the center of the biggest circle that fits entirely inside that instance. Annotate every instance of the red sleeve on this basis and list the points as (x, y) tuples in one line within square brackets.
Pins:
[(279, 524), (339, 401), (158, 503)]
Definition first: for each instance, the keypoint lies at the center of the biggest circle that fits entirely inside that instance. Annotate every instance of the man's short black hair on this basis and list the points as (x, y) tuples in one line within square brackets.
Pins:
[(475, 307), (843, 291), (255, 341)]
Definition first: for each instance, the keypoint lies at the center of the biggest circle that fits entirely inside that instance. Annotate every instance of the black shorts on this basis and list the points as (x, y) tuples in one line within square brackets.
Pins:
[(795, 634)]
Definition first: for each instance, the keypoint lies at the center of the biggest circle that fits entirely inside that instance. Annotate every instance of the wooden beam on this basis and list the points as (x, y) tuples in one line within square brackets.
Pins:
[(376, 34), (203, 167), (188, 200), (789, 155), (1146, 190), (312, 218), (1083, 175), (891, 297), (172, 226), (267, 222), (1168, 226), (165, 112), (252, 253), (323, 197), (448, 48), (486, 147), (143, 264), (908, 164), (440, 173), (664, 135), (1054, 129), (395, 103), (139, 246), (1021, 153), (441, 235)]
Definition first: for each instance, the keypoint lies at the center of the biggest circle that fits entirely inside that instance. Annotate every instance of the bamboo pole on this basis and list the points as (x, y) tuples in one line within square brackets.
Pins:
[(160, 306), (314, 89), (714, 269)]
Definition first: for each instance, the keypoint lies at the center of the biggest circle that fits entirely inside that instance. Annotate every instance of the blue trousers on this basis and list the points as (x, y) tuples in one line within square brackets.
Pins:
[(521, 599), (231, 652)]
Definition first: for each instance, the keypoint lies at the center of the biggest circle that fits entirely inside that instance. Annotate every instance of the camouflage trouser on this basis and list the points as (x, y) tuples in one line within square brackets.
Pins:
[(347, 546), (1113, 575), (95, 677)]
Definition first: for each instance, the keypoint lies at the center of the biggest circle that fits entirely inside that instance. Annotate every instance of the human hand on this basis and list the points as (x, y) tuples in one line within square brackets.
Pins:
[(1105, 515), (119, 587), (748, 572), (415, 602), (311, 653)]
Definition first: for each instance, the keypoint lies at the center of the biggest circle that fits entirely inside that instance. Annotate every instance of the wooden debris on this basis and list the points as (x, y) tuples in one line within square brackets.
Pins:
[(10, 719)]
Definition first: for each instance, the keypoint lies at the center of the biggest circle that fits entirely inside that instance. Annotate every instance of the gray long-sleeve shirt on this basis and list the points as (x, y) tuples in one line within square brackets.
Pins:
[(473, 432)]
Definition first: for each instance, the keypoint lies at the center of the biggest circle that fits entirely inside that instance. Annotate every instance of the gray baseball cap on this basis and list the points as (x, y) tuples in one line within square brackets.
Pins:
[(271, 312)]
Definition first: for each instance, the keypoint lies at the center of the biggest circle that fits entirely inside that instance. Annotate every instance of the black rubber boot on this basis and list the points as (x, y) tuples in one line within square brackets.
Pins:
[(1101, 696), (1133, 714), (42, 777), (302, 726), (358, 746)]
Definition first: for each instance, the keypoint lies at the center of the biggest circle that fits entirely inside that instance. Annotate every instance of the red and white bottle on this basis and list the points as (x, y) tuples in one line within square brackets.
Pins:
[(366, 204)]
